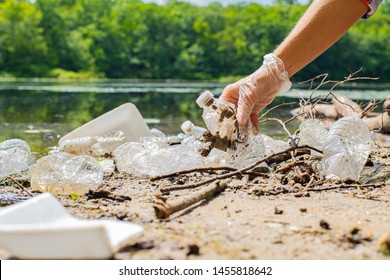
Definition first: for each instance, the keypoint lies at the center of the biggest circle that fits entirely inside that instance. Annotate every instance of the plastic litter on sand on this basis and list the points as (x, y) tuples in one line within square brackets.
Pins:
[(15, 156), (346, 149), (63, 172), (313, 133)]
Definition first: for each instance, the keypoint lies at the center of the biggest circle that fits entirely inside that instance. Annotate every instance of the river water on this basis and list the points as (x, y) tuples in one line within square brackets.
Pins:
[(42, 112)]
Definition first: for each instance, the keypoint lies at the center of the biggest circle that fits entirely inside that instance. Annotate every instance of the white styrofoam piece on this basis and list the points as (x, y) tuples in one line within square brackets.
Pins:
[(125, 118), (41, 228)]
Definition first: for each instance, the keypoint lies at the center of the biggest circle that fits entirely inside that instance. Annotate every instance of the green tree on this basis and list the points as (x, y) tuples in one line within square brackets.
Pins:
[(23, 51), (177, 40)]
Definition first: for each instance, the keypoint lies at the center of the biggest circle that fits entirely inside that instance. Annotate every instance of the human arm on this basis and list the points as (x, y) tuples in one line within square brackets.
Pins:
[(321, 26)]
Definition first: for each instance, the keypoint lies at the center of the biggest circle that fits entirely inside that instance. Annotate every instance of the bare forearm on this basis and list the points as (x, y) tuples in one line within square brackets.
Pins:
[(322, 25)]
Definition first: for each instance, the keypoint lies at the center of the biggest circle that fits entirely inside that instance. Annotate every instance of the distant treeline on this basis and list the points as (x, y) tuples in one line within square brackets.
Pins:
[(131, 39)]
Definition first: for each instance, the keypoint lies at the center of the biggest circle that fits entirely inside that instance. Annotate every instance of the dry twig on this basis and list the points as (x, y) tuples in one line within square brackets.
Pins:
[(163, 209), (206, 170), (345, 186), (310, 102), (20, 186), (200, 169), (275, 107)]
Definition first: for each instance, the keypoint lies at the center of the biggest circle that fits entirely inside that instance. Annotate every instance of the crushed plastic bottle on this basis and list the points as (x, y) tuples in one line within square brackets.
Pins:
[(66, 173), (220, 119), (150, 159), (20, 144), (216, 158), (93, 145), (346, 149), (157, 133), (15, 156), (273, 146), (161, 142), (12, 161), (108, 166), (247, 153), (153, 156), (313, 133)]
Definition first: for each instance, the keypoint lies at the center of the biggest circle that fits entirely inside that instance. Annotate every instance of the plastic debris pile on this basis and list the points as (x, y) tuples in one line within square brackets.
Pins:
[(345, 147)]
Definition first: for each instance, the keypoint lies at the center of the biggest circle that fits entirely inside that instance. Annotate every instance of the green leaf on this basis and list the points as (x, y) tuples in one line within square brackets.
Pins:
[(74, 196)]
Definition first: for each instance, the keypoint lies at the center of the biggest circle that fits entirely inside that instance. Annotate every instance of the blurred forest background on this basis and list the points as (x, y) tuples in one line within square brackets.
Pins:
[(177, 40)]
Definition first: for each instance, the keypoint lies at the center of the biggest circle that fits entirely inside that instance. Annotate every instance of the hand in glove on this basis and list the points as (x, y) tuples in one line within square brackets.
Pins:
[(255, 92)]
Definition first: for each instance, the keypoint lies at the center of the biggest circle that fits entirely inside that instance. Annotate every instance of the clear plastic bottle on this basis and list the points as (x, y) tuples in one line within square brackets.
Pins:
[(248, 153), (66, 173), (77, 146), (150, 159), (346, 149), (20, 144), (313, 133), (15, 156), (220, 119), (12, 161), (107, 144), (93, 145)]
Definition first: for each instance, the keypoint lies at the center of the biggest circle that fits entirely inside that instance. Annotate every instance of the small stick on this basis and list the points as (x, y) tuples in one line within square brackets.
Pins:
[(310, 183), (284, 128), (276, 222), (325, 188), (164, 209), (267, 159), (275, 107), (20, 185), (206, 169), (288, 166), (201, 169)]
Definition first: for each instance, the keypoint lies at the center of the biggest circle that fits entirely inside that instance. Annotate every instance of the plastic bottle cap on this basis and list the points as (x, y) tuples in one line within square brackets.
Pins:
[(187, 126), (204, 98)]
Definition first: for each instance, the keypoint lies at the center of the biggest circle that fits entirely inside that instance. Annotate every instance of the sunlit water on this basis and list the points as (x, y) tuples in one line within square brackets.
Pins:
[(41, 113)]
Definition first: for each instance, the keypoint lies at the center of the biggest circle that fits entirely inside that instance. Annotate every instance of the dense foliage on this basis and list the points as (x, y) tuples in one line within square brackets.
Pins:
[(131, 39)]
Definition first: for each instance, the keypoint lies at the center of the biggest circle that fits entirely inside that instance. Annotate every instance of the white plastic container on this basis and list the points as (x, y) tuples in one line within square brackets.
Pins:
[(41, 228), (125, 118)]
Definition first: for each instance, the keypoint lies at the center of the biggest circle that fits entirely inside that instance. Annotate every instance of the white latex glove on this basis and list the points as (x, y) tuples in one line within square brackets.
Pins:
[(253, 93)]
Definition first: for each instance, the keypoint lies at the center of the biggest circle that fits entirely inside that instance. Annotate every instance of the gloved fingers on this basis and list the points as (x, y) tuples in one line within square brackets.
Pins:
[(246, 103), (230, 94), (254, 120), (264, 102)]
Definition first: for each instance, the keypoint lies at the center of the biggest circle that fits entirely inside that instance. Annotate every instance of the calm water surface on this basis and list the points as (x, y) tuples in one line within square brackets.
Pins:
[(41, 113)]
